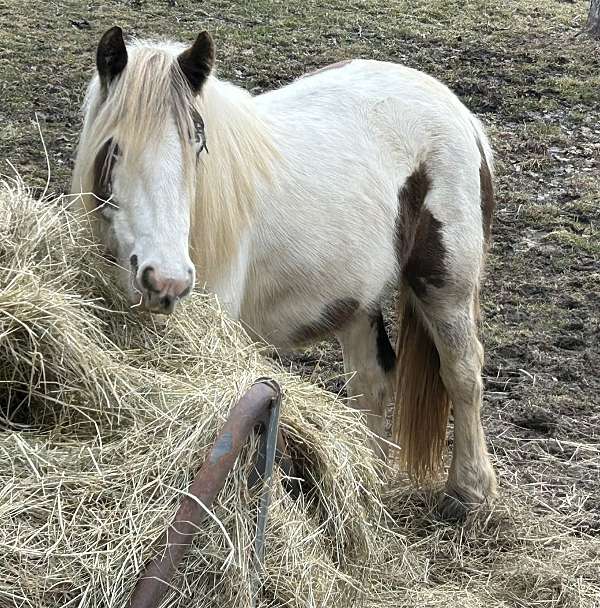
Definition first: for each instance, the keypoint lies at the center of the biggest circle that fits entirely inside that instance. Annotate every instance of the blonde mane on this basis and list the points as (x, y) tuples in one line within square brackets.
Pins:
[(240, 157), (223, 185)]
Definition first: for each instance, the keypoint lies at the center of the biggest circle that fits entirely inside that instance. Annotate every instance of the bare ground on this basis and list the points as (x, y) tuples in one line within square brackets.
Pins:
[(520, 66)]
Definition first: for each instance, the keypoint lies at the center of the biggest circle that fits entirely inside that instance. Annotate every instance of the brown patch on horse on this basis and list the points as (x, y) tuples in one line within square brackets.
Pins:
[(386, 355), (419, 245), (410, 202), (102, 177), (333, 317), (426, 266), (333, 66), (488, 202)]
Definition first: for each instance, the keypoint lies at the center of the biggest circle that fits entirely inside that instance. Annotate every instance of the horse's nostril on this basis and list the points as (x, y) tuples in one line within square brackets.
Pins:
[(133, 260), (146, 279), (185, 292)]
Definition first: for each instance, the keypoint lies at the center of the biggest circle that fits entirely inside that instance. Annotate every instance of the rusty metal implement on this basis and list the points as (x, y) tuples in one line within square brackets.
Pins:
[(270, 441), (260, 405)]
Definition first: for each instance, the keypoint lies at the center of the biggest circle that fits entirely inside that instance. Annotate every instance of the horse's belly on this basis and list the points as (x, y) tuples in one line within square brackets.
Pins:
[(289, 305)]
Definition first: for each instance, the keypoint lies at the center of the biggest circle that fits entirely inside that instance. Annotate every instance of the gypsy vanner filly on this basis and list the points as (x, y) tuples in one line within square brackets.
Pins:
[(300, 208)]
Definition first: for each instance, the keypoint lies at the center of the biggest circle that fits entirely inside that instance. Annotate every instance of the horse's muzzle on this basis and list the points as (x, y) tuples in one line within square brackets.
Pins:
[(161, 294)]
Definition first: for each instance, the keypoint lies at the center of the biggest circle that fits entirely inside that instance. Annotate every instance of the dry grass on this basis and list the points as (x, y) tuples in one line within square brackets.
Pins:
[(106, 415)]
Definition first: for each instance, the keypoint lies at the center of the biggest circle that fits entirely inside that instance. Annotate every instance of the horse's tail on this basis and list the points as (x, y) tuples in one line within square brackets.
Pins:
[(422, 405)]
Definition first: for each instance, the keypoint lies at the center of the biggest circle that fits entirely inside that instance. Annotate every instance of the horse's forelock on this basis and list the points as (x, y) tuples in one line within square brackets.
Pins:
[(137, 106)]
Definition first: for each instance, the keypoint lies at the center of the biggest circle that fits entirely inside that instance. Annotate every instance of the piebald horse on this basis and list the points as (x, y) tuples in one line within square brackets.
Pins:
[(300, 208)]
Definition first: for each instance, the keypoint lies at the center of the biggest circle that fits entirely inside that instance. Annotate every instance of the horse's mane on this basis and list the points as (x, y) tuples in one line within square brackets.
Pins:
[(240, 157), (134, 111)]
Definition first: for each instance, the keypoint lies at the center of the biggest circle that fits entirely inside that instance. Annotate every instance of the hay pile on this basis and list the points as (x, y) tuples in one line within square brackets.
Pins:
[(105, 415)]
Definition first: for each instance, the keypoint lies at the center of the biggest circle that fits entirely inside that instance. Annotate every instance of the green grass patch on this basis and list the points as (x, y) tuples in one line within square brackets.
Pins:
[(588, 241)]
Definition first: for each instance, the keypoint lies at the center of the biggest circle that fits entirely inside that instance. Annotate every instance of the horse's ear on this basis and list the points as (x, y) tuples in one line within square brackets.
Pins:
[(111, 56), (197, 62)]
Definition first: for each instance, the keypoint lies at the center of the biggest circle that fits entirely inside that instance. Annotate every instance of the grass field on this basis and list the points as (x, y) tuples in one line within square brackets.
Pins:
[(522, 68)]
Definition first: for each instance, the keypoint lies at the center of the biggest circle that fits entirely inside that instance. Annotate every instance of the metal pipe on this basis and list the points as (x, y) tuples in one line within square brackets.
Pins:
[(270, 442), (251, 409)]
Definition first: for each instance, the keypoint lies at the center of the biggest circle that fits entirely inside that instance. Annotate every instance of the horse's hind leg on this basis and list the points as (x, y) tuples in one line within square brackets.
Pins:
[(471, 480), (369, 362)]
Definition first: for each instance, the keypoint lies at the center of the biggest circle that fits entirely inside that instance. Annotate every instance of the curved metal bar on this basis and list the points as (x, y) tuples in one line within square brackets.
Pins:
[(252, 409)]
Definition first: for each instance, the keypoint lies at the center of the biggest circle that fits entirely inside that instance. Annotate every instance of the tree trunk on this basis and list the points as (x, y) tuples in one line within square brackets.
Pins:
[(593, 20)]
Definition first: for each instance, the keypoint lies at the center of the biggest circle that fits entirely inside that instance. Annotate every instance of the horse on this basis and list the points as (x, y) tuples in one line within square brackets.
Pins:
[(300, 208)]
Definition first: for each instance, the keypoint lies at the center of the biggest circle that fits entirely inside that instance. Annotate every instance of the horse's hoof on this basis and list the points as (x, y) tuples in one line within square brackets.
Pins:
[(455, 505), (452, 507)]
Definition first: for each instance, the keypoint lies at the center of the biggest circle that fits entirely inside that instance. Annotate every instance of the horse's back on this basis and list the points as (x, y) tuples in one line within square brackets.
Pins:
[(367, 81), (407, 114)]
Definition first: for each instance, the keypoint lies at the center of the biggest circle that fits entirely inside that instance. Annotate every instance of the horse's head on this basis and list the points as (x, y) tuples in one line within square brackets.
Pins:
[(144, 151)]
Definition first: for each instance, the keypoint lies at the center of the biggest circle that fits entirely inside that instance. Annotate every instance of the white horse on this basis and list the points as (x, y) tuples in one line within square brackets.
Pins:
[(299, 208)]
